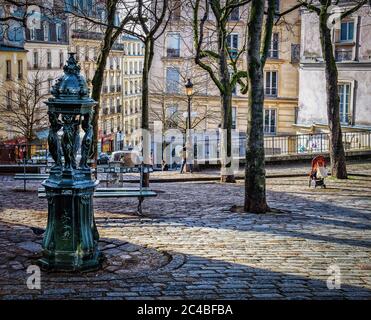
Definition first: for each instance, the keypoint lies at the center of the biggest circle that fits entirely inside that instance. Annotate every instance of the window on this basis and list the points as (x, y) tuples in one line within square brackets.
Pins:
[(20, 69), (295, 53), (49, 59), (50, 84), (59, 32), (347, 31), (176, 10), (273, 50), (232, 43), (171, 110), (33, 33), (234, 90), (271, 83), (9, 99), (172, 80), (104, 127), (86, 53), (35, 60), (46, 31), (344, 95), (8, 69), (270, 121), (77, 53), (21, 98), (37, 89), (235, 14), (173, 45), (234, 117), (277, 6), (61, 59)]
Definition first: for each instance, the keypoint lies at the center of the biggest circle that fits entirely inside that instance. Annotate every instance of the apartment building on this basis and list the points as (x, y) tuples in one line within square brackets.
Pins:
[(120, 98), (132, 81), (13, 62), (174, 64), (352, 48), (47, 43)]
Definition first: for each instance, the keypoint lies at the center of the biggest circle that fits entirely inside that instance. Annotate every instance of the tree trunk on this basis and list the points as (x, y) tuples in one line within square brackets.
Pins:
[(226, 174), (337, 153), (148, 58), (255, 185)]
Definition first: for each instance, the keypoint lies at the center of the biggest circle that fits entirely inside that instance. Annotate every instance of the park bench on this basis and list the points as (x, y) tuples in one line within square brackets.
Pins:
[(141, 193), (30, 177)]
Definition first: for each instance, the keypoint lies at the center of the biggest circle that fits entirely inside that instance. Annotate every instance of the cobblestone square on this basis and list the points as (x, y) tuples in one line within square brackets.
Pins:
[(189, 245)]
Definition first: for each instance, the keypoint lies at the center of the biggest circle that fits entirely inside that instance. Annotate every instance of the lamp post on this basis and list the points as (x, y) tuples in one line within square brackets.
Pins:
[(189, 93), (71, 238)]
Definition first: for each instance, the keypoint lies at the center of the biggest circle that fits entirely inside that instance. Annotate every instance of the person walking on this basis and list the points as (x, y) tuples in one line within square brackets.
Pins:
[(187, 158), (184, 159)]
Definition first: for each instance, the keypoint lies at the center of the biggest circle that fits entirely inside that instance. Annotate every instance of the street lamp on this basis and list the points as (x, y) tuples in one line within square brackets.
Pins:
[(189, 93)]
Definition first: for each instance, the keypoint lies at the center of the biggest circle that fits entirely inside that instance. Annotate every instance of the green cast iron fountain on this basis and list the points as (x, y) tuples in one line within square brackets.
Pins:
[(71, 237)]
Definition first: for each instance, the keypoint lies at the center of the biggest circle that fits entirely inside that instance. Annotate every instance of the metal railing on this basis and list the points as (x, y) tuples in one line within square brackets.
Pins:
[(285, 145), (314, 143)]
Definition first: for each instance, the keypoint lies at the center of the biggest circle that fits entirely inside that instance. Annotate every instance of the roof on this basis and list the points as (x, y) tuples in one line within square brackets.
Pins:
[(130, 37)]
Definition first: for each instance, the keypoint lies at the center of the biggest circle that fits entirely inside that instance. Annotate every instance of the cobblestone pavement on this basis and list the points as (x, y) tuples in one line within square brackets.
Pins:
[(190, 245)]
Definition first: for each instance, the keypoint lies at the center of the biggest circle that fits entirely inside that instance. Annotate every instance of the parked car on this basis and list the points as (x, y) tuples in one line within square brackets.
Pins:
[(128, 158), (103, 158)]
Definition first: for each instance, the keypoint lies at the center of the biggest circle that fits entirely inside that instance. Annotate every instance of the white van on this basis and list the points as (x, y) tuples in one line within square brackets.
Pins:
[(128, 158)]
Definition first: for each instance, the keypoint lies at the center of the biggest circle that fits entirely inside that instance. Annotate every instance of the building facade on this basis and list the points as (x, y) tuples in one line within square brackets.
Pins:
[(13, 66), (352, 48), (174, 64), (47, 44), (132, 83), (120, 97)]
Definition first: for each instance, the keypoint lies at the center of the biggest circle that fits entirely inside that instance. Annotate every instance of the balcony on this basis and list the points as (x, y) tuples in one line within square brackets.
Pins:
[(112, 88), (343, 55), (89, 35), (173, 53), (118, 46)]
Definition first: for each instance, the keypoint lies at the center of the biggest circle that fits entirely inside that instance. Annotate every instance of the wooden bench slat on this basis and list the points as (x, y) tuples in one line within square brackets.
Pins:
[(116, 194), (42, 189)]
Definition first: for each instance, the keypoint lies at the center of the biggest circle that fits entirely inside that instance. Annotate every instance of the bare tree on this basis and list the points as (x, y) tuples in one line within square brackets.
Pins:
[(221, 64), (152, 19), (117, 16), (22, 109), (172, 116), (323, 10)]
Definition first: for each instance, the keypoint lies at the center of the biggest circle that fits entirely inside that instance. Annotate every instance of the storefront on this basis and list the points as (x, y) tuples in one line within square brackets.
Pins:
[(108, 143)]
